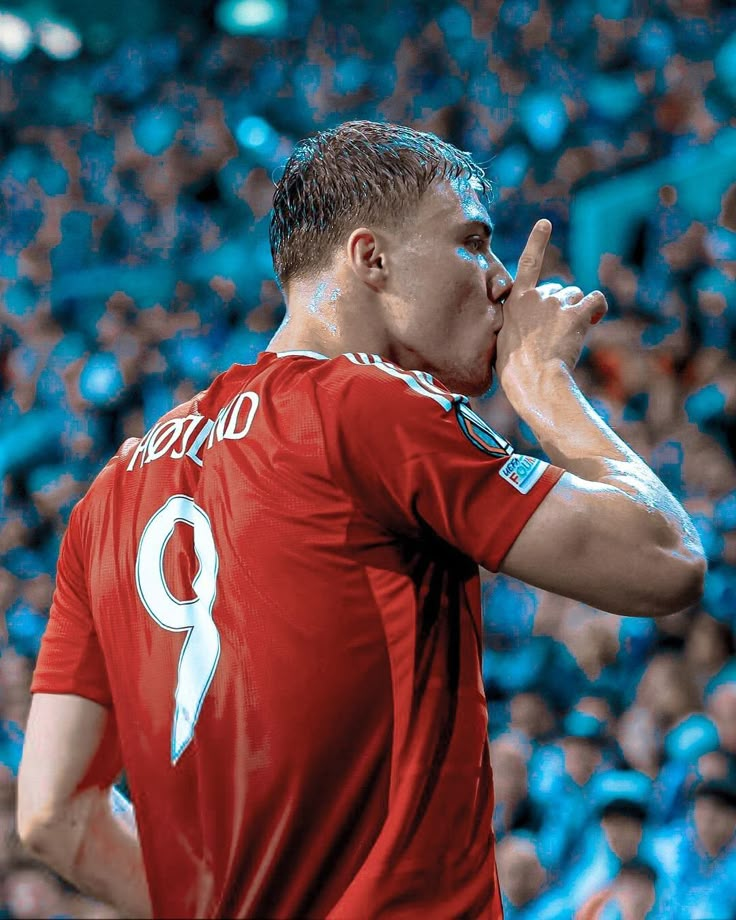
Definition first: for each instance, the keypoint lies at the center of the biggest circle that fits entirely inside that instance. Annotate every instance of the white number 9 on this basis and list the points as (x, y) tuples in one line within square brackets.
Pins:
[(201, 650)]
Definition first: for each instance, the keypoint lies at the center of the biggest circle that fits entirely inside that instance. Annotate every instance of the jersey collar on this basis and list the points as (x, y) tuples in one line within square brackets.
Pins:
[(309, 354)]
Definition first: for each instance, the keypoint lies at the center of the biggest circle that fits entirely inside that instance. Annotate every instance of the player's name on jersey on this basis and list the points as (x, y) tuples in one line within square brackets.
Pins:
[(190, 435)]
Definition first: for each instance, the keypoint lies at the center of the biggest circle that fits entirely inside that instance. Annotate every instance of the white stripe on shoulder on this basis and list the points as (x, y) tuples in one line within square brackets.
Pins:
[(418, 385), (309, 354), (428, 381)]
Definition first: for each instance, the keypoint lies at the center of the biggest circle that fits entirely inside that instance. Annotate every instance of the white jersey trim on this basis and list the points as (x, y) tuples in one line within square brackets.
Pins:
[(416, 380), (309, 354), (419, 381)]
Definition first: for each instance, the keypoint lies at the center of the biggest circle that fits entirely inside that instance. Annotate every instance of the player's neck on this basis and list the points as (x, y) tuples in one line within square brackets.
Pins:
[(325, 324), (329, 347)]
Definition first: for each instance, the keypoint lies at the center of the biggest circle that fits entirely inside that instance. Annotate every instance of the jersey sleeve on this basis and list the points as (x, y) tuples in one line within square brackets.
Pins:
[(417, 457), (71, 659)]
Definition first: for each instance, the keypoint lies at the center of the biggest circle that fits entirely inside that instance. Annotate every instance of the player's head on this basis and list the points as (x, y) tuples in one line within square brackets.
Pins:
[(396, 219)]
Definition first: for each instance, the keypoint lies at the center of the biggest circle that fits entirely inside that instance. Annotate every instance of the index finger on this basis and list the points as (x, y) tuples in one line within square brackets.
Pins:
[(530, 261)]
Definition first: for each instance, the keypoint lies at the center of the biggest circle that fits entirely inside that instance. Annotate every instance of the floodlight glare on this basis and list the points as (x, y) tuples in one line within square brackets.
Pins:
[(256, 135), (249, 17), (15, 37), (58, 40), (252, 14)]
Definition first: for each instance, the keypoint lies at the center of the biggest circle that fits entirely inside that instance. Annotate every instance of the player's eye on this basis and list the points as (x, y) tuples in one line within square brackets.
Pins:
[(477, 243)]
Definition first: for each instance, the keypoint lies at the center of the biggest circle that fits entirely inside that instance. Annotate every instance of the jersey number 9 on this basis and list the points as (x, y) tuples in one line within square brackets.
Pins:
[(201, 650)]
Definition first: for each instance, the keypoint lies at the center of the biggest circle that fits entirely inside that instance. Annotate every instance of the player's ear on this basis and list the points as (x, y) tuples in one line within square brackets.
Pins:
[(367, 257)]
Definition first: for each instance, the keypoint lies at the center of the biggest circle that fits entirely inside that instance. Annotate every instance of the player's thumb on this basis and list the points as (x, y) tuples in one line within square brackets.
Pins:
[(594, 306)]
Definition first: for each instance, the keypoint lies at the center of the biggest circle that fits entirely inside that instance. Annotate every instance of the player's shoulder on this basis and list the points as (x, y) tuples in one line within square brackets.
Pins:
[(128, 448), (108, 478), (369, 389), (348, 377), (361, 376)]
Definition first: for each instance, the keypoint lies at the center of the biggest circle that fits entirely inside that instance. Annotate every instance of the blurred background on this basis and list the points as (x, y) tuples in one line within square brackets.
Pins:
[(138, 146)]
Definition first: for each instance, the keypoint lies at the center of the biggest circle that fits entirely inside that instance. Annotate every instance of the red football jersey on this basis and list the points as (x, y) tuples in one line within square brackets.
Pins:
[(276, 591)]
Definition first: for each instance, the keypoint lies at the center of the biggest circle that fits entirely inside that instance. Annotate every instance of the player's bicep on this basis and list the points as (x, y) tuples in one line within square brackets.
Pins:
[(582, 542), (63, 739)]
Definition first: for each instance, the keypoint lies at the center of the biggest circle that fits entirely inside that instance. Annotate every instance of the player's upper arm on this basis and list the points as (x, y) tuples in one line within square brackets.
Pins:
[(65, 745), (71, 659), (584, 541)]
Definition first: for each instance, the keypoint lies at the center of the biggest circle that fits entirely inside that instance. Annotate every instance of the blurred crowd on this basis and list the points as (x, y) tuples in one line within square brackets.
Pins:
[(135, 190)]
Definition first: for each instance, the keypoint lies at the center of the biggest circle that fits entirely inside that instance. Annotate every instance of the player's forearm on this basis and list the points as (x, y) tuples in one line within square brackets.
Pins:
[(577, 439), (97, 851)]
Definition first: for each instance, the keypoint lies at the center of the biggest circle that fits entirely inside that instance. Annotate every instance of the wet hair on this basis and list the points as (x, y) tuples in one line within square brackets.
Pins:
[(360, 173)]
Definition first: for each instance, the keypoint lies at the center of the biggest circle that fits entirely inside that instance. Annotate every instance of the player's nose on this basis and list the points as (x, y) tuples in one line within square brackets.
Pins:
[(499, 284)]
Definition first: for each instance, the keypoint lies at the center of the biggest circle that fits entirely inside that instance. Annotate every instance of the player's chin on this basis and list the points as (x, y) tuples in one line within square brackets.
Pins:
[(471, 375), (480, 382)]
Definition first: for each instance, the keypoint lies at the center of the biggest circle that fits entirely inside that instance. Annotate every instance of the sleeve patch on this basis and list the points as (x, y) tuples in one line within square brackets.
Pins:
[(480, 433), (523, 472)]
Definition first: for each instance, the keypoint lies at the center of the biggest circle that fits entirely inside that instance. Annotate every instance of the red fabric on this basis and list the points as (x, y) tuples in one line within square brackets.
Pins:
[(339, 762)]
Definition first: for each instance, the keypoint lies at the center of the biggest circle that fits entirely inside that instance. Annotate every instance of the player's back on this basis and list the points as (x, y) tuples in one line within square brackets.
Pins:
[(291, 650)]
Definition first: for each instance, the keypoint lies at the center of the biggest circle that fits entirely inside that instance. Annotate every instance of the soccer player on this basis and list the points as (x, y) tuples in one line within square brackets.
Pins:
[(267, 609)]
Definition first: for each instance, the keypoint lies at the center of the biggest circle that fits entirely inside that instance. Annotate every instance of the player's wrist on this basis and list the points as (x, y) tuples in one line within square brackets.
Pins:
[(529, 385)]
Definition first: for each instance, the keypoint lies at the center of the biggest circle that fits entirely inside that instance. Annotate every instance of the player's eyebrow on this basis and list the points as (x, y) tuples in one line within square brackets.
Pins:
[(485, 228)]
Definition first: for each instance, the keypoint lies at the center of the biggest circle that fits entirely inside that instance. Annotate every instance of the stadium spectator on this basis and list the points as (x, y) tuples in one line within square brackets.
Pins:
[(512, 807), (612, 837), (720, 694), (630, 896), (697, 855), (521, 876)]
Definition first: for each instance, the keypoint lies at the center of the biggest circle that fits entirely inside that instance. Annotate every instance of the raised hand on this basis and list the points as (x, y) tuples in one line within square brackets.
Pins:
[(543, 325)]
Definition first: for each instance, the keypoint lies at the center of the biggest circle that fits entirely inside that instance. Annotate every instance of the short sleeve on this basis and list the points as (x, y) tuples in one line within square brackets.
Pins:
[(417, 456), (71, 659)]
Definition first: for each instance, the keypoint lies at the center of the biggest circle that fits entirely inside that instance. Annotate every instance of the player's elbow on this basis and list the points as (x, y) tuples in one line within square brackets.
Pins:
[(35, 830), (671, 574), (39, 821), (681, 584), (51, 839), (665, 565)]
